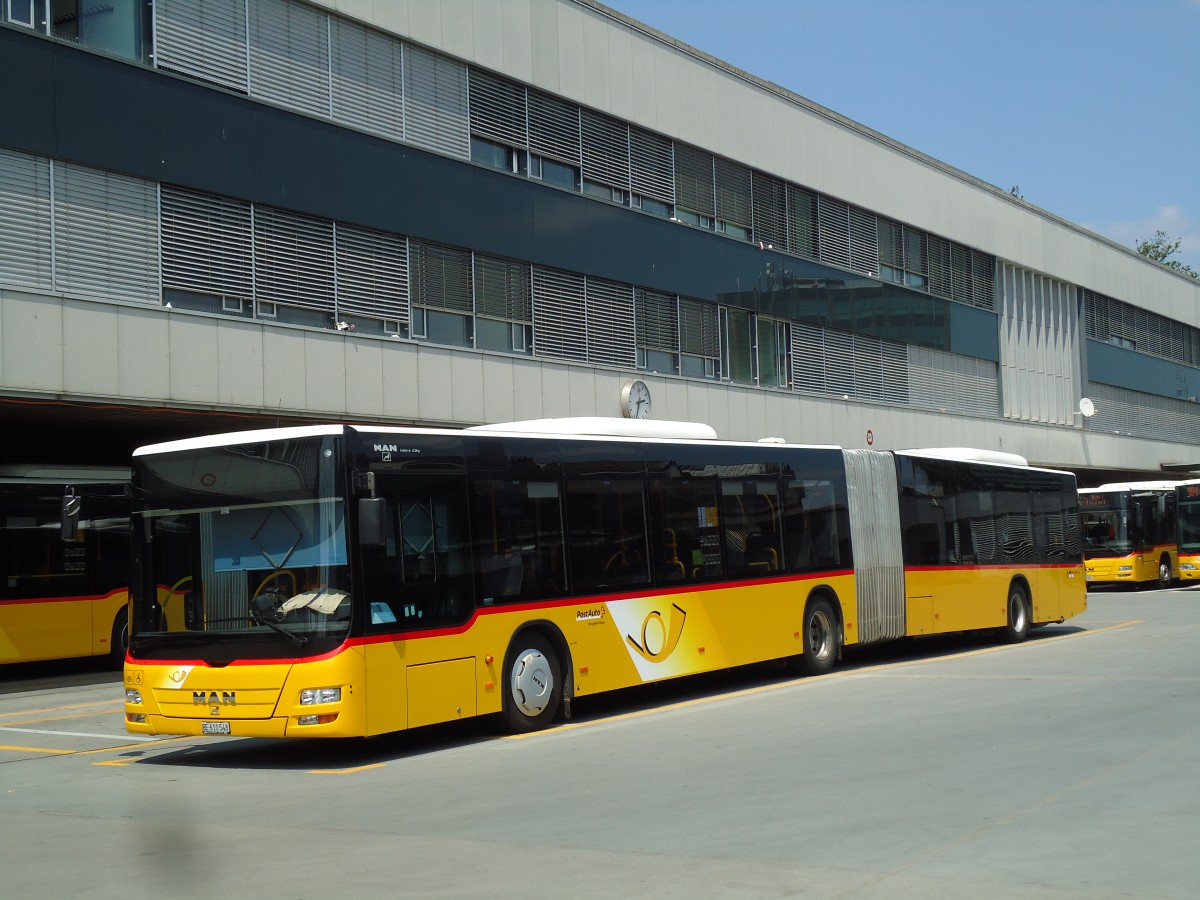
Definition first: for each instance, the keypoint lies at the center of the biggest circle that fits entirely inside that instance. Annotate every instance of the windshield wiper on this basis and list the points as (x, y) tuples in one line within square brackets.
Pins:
[(300, 639)]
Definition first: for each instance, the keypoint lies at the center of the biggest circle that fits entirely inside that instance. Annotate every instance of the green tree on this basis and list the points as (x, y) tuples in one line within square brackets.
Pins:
[(1162, 248)]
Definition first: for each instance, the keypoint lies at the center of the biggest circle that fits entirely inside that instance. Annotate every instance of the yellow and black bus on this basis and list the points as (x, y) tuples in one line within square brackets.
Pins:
[(1130, 534), (63, 598), (342, 580)]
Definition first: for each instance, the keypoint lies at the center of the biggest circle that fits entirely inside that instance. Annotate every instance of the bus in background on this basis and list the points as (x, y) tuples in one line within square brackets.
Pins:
[(1187, 511), (63, 598), (1129, 533), (330, 581)]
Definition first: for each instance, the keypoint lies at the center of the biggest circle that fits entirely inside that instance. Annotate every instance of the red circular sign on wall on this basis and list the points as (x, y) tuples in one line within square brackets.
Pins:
[(870, 437)]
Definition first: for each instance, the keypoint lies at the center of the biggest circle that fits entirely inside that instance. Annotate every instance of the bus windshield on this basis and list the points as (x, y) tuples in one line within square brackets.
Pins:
[(244, 544), (1189, 526), (1105, 522)]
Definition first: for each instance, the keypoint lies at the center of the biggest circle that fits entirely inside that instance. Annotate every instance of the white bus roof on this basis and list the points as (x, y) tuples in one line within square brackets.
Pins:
[(1133, 486), (608, 426), (971, 454), (239, 437)]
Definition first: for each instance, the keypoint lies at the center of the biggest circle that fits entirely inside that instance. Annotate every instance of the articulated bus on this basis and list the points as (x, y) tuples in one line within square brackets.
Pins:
[(59, 598), (338, 580), (1129, 533), (1187, 512)]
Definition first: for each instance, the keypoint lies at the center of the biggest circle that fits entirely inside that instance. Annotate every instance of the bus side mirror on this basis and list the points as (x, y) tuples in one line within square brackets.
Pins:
[(70, 514), (372, 512)]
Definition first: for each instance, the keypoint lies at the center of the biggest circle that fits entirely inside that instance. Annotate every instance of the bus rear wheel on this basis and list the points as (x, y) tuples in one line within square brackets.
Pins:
[(1017, 628), (533, 684), (820, 636)]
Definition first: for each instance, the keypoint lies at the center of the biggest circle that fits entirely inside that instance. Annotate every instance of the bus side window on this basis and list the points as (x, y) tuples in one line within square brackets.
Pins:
[(518, 539), (683, 515), (606, 522)]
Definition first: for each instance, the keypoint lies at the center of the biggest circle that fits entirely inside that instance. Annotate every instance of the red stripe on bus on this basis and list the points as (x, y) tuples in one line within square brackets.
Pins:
[(75, 599)]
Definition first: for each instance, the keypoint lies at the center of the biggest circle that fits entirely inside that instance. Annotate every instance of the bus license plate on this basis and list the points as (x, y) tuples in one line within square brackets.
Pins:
[(214, 728)]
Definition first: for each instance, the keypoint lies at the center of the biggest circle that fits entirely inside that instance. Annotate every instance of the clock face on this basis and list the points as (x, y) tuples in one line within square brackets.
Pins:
[(635, 398)]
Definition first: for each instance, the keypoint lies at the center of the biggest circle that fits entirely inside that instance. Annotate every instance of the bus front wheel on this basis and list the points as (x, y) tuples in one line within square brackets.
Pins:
[(1164, 572), (820, 638), (1017, 628), (533, 684)]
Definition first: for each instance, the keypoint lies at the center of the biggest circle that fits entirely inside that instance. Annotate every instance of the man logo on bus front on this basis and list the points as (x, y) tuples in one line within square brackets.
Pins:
[(659, 640)]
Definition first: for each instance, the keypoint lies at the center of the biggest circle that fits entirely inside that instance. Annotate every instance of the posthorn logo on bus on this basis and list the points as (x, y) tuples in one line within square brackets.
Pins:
[(659, 638)]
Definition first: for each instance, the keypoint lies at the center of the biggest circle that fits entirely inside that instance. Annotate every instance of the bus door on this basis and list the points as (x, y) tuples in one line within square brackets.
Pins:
[(417, 580)]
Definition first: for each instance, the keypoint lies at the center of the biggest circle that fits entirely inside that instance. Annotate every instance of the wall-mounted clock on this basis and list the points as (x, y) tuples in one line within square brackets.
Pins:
[(635, 400)]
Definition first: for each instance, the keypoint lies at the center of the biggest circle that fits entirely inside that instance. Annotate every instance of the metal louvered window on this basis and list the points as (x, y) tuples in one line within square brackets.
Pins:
[(289, 55), (206, 244), (770, 210), (891, 244), (558, 305), (441, 277), (610, 332), (372, 275), (864, 242), (503, 289), (205, 39), (293, 260), (435, 102), (651, 165), (983, 276), (497, 109), (699, 331), (833, 223), (940, 271), (25, 220), (368, 79), (105, 234), (1144, 415), (1123, 325), (605, 150), (657, 320), (802, 222), (732, 193), (553, 127), (657, 330), (694, 180)]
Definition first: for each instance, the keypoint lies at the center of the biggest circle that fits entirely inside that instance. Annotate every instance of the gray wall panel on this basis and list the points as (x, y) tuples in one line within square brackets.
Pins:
[(1138, 372), (208, 139), (106, 113), (28, 119)]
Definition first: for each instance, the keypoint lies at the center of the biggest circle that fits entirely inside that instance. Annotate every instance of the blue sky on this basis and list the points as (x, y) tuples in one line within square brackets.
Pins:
[(1090, 107)]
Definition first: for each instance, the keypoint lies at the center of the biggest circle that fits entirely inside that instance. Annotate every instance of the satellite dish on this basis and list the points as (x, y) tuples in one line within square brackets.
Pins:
[(1087, 407)]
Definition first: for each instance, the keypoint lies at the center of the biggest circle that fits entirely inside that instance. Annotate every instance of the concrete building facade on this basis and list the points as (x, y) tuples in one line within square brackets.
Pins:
[(220, 214)]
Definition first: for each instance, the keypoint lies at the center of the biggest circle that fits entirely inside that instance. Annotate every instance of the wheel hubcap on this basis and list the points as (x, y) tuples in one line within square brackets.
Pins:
[(820, 635), (1016, 612), (532, 682)]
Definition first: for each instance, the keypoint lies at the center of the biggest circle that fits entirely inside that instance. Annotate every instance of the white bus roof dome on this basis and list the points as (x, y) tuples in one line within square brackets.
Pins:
[(971, 454), (605, 426)]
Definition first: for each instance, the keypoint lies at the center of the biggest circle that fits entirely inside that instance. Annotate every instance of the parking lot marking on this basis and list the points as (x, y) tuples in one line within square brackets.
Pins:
[(18, 749)]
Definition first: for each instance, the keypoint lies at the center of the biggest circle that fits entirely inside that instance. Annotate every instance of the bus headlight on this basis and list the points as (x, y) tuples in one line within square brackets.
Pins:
[(1124, 568), (1188, 567), (315, 696), (133, 696)]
